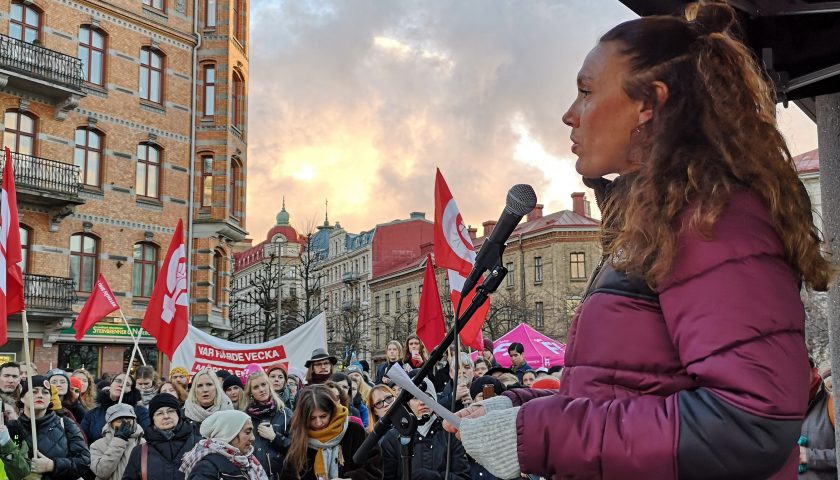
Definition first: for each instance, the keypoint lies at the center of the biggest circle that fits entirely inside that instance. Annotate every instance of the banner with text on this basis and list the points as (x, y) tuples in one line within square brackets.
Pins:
[(201, 350)]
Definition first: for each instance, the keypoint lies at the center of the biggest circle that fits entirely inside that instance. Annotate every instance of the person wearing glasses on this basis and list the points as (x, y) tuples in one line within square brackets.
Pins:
[(167, 441), (94, 420), (319, 367), (379, 400)]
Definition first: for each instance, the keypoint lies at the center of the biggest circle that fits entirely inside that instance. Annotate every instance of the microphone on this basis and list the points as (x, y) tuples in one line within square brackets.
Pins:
[(521, 199)]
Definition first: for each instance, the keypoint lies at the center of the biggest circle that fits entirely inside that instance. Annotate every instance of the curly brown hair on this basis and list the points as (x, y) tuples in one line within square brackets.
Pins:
[(715, 131)]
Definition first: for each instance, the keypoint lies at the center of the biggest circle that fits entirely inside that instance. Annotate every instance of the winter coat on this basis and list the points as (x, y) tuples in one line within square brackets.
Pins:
[(705, 378), (445, 398), (15, 465), (272, 453), (364, 414), (353, 438), (520, 371), (817, 428), (430, 452), (164, 454), (109, 455), (94, 420), (77, 409), (380, 370), (216, 467), (59, 439)]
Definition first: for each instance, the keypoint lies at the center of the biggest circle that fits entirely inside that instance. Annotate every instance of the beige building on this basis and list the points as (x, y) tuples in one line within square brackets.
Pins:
[(548, 257), (105, 104)]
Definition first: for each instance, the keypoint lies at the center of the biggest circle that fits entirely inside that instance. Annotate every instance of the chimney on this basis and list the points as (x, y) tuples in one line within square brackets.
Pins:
[(489, 225), (579, 203), (417, 215), (536, 213), (472, 231)]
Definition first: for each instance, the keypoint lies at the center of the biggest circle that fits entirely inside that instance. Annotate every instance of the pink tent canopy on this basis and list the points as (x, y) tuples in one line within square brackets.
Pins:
[(540, 350)]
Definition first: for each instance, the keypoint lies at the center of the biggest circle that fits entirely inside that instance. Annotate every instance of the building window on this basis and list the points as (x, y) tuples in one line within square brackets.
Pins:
[(408, 297), (156, 4), (145, 268), (238, 102), (397, 302), (209, 90), (538, 273), (210, 13), (509, 276), (577, 263), (19, 135), (207, 181), (235, 189), (539, 315), (239, 16), (25, 246), (151, 75), (88, 156), (148, 171), (376, 305), (387, 303), (25, 22), (92, 54), (215, 292), (83, 261)]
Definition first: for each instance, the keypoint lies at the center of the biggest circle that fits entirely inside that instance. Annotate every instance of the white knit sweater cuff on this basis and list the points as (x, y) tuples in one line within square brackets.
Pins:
[(496, 403), (491, 441)]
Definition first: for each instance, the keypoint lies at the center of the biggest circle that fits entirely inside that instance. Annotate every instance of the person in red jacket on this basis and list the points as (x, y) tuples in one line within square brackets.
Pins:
[(686, 357)]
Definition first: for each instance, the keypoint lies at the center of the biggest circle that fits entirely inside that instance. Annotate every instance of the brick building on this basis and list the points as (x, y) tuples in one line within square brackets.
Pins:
[(105, 103)]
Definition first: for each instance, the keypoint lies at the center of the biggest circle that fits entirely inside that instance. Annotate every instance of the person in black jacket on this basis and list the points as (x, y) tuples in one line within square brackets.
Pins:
[(63, 452), (393, 354), (431, 446), (167, 441), (95, 419), (272, 421), (226, 451)]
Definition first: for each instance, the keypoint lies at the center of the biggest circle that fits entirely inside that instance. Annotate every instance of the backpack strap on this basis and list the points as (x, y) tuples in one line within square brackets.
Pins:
[(144, 461), (829, 405)]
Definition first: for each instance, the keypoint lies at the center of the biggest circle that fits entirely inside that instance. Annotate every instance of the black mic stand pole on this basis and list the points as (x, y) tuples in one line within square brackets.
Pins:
[(399, 409)]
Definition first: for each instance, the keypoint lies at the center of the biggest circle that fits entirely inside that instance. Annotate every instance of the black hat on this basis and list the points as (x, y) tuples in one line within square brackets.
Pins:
[(320, 354), (479, 383), (232, 380), (164, 400), (499, 370), (37, 381), (223, 374)]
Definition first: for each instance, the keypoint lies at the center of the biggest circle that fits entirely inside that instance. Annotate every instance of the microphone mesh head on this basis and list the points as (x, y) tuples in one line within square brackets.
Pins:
[(521, 199)]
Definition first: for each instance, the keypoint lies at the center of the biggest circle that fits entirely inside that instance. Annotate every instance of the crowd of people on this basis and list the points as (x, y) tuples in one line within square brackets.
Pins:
[(278, 422)]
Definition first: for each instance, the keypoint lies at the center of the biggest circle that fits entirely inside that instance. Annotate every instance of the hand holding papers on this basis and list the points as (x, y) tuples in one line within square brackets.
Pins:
[(398, 376)]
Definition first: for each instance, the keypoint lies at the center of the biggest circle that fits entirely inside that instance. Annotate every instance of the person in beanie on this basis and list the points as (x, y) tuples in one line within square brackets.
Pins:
[(226, 450), (62, 451), (279, 382), (14, 463), (94, 421), (69, 400), (319, 366), (233, 387), (109, 455), (167, 441), (272, 421)]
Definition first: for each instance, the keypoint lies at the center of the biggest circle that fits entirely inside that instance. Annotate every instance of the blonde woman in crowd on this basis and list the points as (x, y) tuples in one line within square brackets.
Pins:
[(206, 397)]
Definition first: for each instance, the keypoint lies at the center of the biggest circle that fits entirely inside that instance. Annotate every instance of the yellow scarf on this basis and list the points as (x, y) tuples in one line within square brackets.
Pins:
[(335, 429)]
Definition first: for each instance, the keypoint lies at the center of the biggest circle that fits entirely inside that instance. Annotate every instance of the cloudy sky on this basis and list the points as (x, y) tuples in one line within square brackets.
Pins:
[(358, 102)]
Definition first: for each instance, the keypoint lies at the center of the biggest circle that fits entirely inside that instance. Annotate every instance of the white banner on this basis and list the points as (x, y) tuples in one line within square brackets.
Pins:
[(201, 350)]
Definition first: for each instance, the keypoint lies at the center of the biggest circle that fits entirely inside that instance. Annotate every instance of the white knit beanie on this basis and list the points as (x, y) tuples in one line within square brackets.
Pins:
[(224, 425)]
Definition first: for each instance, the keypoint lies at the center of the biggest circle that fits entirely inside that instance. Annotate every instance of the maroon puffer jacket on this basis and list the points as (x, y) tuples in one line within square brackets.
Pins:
[(708, 378)]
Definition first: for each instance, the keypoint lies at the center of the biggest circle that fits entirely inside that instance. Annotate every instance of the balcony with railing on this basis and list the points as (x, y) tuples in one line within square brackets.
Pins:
[(45, 293), (350, 277), (38, 69), (350, 305), (44, 182)]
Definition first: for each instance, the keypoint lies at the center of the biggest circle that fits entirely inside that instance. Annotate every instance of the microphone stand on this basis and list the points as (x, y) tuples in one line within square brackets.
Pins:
[(399, 410)]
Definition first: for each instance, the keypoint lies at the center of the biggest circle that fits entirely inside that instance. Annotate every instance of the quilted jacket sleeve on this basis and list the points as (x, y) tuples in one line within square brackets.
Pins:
[(78, 459), (733, 313)]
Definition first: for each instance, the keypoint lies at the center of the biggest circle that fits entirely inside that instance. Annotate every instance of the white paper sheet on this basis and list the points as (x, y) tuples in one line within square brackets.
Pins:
[(397, 374)]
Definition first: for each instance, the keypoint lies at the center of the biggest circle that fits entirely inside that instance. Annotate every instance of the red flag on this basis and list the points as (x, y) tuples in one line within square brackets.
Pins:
[(100, 303), (166, 316), (430, 326), (11, 277), (455, 252)]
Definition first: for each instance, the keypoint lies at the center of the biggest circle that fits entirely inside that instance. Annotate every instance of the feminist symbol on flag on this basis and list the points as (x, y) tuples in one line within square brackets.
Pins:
[(176, 285)]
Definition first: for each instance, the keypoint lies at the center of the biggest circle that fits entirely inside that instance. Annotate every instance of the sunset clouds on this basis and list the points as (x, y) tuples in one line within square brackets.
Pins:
[(359, 101)]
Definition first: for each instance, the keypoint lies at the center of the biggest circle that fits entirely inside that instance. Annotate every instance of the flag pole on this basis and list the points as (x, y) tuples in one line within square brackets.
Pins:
[(29, 375), (137, 340), (130, 362)]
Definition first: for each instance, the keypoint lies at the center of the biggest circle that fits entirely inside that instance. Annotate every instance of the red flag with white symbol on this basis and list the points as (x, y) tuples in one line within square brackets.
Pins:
[(454, 251), (11, 278), (167, 316)]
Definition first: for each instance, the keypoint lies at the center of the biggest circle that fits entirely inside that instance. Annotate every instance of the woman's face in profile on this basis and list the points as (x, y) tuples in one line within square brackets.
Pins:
[(602, 116)]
